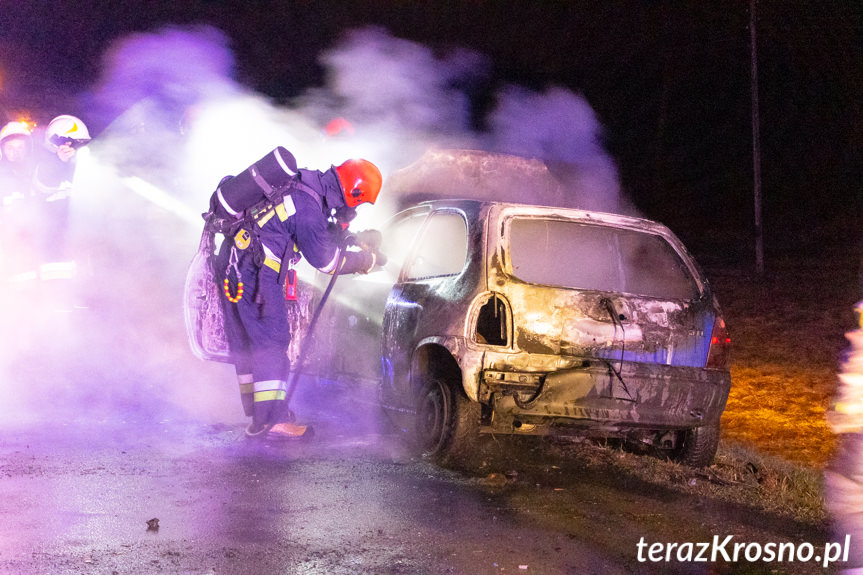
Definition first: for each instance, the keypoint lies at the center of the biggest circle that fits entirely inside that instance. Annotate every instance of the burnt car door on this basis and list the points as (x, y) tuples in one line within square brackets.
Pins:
[(399, 240), (427, 296)]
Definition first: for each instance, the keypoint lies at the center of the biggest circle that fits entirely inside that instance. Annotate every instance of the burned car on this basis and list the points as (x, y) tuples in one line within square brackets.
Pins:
[(518, 319)]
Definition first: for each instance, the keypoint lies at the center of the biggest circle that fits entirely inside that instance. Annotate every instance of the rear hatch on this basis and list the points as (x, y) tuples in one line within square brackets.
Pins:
[(611, 287)]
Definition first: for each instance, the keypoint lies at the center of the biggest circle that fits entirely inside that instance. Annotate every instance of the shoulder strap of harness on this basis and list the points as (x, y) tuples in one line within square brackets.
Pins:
[(299, 186)]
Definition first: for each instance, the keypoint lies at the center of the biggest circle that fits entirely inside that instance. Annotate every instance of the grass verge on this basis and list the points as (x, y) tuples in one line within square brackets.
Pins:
[(740, 475)]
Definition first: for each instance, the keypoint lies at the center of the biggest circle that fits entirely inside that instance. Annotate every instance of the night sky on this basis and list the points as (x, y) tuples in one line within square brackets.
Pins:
[(669, 81)]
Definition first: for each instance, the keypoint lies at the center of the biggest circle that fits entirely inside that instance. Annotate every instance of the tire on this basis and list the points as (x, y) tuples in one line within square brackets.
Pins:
[(698, 447), (447, 423)]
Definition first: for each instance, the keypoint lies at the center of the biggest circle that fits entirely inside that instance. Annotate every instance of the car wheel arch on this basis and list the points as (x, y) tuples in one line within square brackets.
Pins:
[(433, 359), (448, 356)]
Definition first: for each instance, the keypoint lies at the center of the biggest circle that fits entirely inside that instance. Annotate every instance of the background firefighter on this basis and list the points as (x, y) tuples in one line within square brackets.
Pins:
[(35, 185), (843, 478), (304, 215), (52, 182), (16, 161), (17, 214)]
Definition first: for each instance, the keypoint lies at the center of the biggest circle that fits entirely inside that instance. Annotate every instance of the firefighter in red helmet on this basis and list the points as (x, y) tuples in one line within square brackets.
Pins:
[(272, 215)]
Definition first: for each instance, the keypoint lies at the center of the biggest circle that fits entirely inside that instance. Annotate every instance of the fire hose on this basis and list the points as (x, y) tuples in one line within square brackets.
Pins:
[(301, 354), (369, 239)]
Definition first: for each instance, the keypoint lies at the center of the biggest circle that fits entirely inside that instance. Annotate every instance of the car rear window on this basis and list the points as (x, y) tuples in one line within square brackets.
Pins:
[(598, 257)]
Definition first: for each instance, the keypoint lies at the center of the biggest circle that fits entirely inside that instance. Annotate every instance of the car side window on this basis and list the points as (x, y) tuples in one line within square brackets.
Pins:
[(399, 238), (442, 249)]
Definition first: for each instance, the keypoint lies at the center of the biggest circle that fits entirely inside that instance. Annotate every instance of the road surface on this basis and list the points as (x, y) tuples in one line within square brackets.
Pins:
[(76, 496)]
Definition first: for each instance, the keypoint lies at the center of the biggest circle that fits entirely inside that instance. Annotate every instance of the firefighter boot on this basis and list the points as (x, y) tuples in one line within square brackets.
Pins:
[(287, 426), (265, 413), (256, 430), (281, 431), (278, 431), (248, 402), (247, 392)]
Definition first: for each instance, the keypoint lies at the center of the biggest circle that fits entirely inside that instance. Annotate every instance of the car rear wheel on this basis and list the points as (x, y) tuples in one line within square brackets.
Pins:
[(447, 422), (698, 446)]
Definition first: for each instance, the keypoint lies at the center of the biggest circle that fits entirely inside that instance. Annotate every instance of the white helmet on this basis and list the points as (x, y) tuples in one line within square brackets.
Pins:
[(13, 129), (66, 129)]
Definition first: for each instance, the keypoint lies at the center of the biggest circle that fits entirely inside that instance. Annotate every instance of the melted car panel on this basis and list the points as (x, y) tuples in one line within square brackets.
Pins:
[(601, 288)]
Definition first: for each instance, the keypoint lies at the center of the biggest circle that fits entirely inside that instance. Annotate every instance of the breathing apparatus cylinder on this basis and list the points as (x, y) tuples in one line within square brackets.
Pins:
[(266, 178)]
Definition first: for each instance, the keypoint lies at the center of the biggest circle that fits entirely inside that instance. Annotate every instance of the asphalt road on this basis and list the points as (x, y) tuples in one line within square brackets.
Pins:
[(76, 497), (120, 453)]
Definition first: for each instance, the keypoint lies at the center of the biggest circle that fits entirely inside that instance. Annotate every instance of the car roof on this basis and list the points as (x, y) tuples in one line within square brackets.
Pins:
[(514, 208)]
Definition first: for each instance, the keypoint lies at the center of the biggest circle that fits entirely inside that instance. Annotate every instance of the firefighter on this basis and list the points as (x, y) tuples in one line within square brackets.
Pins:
[(256, 261), (56, 169), (844, 475), (52, 184), (16, 162), (17, 216)]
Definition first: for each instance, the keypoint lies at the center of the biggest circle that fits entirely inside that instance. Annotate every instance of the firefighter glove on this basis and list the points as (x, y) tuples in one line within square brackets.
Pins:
[(373, 260), (380, 259), (369, 240)]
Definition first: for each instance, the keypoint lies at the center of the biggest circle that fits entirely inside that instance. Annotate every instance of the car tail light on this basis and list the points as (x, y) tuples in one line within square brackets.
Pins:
[(720, 346)]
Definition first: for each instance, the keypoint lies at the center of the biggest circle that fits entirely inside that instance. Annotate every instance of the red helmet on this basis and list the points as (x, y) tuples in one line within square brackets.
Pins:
[(361, 181), (339, 127)]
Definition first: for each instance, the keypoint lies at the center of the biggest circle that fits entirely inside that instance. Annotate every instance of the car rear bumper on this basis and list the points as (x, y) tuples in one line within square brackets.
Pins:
[(644, 396)]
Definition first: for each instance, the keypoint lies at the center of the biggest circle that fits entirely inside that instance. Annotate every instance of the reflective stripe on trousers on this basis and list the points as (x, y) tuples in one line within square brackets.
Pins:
[(273, 389), (269, 401)]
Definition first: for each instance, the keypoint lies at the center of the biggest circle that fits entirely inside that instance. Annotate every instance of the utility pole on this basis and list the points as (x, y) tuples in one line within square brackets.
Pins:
[(756, 147)]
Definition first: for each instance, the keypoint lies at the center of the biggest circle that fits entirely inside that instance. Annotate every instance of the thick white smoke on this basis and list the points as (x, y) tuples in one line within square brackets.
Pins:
[(382, 80), (406, 99), (175, 121), (174, 67), (560, 128)]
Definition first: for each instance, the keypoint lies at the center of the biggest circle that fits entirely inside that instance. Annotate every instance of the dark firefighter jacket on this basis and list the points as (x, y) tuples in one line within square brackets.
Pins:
[(300, 223)]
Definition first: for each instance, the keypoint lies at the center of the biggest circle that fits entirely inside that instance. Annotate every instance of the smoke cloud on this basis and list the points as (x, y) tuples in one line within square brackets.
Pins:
[(172, 121), (384, 81), (174, 68), (561, 129)]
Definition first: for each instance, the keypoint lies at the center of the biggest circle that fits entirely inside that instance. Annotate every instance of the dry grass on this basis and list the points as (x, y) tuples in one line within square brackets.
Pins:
[(770, 482), (787, 334), (740, 476), (781, 413)]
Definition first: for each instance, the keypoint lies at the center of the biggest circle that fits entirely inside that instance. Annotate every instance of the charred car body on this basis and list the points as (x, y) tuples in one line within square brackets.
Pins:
[(518, 319)]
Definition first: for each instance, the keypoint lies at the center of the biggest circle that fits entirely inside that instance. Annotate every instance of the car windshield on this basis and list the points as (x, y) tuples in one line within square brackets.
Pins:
[(597, 257)]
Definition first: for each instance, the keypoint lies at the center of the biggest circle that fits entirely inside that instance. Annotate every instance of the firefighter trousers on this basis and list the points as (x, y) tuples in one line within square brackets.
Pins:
[(257, 331)]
